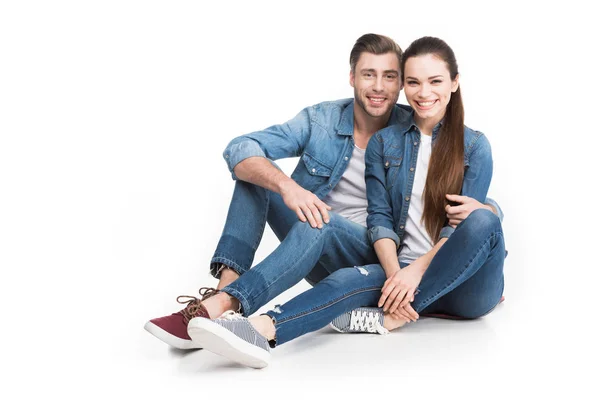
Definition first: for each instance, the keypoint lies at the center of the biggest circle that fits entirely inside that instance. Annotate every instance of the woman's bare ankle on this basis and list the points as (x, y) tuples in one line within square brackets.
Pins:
[(264, 325), (390, 323)]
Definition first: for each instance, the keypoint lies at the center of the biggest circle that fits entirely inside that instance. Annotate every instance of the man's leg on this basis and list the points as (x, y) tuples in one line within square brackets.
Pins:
[(248, 199), (251, 206), (338, 244)]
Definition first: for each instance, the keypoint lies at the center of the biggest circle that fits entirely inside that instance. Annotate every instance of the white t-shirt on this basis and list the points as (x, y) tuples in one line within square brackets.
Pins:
[(416, 239), (349, 197)]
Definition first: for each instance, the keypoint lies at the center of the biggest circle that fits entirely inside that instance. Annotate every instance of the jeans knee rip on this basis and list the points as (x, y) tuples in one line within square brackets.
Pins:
[(363, 271)]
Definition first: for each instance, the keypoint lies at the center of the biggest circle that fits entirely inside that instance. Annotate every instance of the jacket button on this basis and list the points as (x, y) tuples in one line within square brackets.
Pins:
[(412, 169), (407, 198), (415, 143), (387, 163), (401, 226), (345, 158), (314, 170)]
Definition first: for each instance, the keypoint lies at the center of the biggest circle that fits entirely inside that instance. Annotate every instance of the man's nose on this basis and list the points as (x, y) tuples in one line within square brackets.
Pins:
[(378, 86)]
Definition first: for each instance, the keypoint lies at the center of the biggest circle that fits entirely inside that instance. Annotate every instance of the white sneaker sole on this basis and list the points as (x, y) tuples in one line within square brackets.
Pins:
[(335, 328), (170, 339), (213, 337)]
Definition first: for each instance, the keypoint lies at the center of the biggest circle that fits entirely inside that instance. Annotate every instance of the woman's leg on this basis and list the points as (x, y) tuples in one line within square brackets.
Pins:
[(342, 291), (465, 278)]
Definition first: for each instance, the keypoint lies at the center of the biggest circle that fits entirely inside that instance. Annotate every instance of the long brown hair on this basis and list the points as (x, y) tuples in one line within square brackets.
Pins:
[(446, 166)]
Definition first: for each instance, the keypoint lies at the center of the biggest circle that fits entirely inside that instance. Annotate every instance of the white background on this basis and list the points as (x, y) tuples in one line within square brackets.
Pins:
[(113, 192)]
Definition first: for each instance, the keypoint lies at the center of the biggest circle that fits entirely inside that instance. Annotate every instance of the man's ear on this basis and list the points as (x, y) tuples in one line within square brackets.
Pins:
[(351, 78)]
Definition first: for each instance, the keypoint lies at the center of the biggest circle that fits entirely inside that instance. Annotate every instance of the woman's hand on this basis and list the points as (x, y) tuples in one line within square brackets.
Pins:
[(399, 289), (406, 313)]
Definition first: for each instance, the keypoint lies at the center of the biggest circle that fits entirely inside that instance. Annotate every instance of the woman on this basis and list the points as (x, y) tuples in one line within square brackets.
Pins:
[(413, 171)]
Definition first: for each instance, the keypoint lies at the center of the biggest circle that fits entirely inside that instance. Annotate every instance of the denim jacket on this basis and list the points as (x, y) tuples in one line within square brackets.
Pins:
[(321, 135), (391, 160)]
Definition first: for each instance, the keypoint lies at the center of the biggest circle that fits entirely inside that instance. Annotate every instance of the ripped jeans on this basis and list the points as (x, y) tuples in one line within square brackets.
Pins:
[(464, 279)]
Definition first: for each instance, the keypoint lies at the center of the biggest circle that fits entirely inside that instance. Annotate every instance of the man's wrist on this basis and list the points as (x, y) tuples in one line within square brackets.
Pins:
[(285, 183)]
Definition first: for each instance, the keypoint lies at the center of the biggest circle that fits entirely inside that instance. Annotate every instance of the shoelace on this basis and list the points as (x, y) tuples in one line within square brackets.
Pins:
[(193, 303), (366, 321)]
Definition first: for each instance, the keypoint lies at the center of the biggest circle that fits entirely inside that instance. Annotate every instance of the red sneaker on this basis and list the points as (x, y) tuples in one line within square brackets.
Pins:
[(172, 329)]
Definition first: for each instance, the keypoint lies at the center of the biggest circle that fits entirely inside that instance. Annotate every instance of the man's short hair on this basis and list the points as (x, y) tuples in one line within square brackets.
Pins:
[(375, 44)]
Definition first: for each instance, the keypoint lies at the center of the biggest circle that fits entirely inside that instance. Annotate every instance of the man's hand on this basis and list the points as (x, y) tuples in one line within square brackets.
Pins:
[(457, 214), (305, 204)]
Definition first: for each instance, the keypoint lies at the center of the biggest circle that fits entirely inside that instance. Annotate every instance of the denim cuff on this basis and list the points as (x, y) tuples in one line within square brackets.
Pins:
[(380, 232), (496, 206), (238, 152), (215, 263), (446, 232), (244, 304)]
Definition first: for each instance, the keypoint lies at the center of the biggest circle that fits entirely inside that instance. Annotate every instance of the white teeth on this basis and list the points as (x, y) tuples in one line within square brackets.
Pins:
[(426, 103), (376, 100)]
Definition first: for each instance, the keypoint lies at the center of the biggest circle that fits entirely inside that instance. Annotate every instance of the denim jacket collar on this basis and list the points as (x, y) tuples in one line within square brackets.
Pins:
[(346, 124), (410, 125)]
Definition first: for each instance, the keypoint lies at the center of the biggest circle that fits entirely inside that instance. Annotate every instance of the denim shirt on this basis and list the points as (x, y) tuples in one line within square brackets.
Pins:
[(391, 161), (321, 135)]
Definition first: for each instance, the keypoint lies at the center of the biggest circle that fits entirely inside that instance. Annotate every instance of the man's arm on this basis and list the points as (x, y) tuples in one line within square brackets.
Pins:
[(249, 159), (467, 205), (278, 141), (260, 171)]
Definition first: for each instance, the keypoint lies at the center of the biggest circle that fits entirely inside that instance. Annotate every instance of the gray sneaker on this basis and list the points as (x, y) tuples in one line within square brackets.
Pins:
[(363, 319), (231, 336)]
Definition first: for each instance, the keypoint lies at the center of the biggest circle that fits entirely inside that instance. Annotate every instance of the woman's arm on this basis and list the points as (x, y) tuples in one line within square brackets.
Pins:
[(388, 258), (380, 220)]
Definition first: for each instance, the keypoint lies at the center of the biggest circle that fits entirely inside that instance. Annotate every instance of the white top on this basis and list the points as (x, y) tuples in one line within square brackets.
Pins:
[(349, 197), (416, 239)]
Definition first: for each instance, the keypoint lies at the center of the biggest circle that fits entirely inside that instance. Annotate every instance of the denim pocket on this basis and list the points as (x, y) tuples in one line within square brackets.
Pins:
[(315, 167), (392, 166), (318, 173)]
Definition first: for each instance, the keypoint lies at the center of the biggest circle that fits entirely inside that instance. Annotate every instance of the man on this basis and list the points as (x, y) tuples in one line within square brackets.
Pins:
[(318, 214)]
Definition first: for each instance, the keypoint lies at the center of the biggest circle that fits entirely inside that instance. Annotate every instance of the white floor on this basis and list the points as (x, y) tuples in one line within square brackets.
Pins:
[(510, 352)]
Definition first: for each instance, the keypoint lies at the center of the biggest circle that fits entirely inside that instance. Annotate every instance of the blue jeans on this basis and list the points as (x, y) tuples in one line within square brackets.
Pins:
[(304, 252), (464, 279)]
